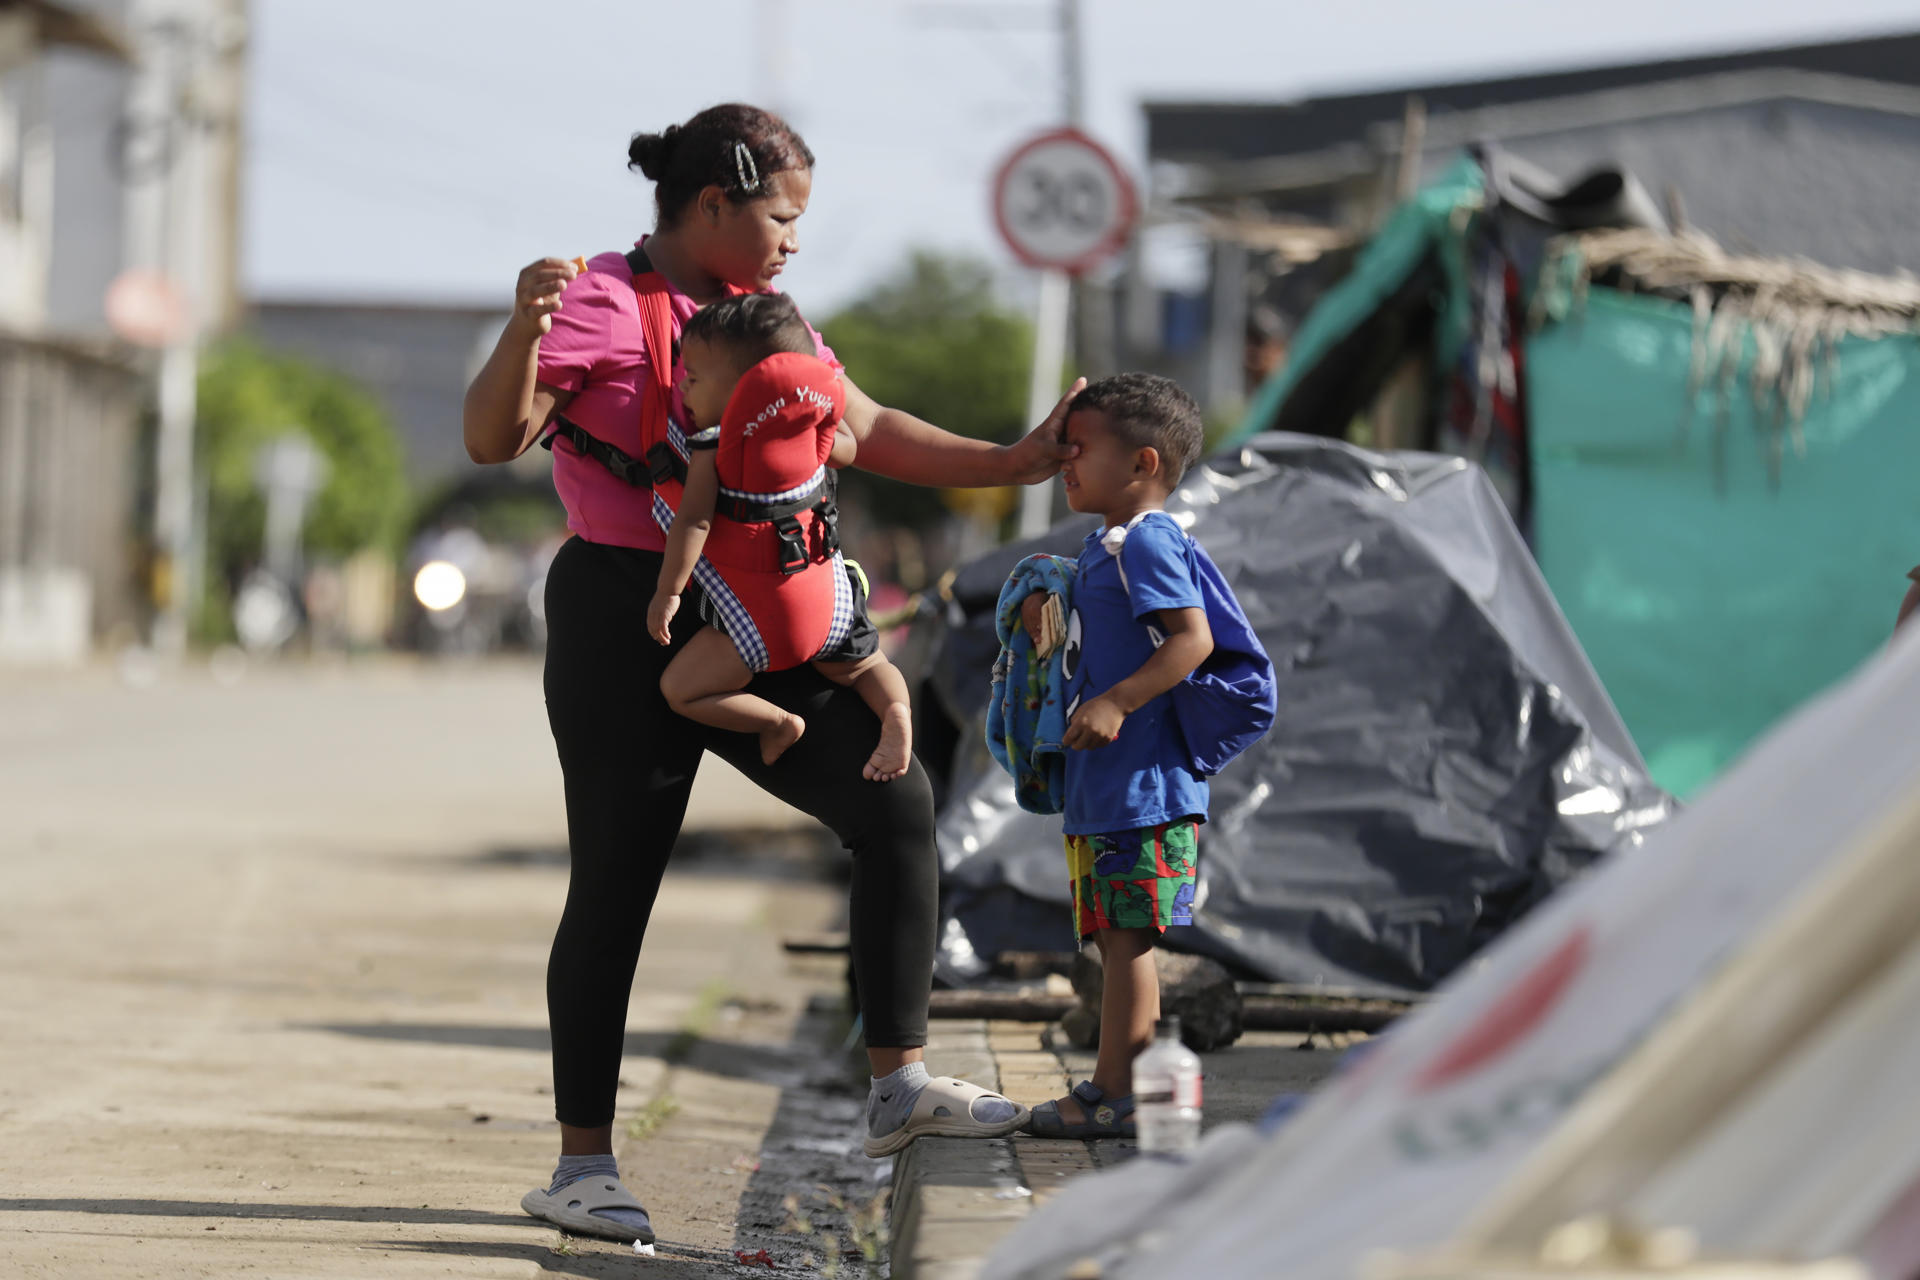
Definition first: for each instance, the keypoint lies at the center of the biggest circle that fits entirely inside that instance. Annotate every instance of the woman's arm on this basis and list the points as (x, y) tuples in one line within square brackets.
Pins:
[(902, 447), (845, 447), (506, 407), (685, 541)]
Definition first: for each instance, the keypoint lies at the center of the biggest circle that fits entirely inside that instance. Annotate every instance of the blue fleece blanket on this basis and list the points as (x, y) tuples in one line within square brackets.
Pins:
[(1026, 715)]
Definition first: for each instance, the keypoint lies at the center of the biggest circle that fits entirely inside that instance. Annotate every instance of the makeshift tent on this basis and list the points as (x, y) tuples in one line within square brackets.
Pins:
[(1708, 453), (1709, 1043), (1443, 758), (1723, 485)]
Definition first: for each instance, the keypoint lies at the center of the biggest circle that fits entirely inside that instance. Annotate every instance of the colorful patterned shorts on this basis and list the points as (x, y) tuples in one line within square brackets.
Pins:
[(1140, 879)]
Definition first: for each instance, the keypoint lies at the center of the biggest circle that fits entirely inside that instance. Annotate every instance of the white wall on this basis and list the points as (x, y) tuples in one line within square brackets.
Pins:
[(111, 196)]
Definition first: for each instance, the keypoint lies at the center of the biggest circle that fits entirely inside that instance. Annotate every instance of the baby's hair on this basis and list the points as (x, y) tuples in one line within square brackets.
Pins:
[(1148, 411), (752, 327)]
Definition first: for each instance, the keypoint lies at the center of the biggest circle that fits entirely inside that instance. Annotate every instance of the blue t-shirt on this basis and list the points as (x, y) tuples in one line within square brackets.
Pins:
[(1139, 779)]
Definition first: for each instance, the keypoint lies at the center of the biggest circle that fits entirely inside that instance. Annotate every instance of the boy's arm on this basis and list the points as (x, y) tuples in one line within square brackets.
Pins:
[(1189, 641), (685, 541)]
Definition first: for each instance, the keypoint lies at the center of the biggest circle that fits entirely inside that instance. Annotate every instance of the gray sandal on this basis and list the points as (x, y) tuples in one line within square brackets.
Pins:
[(1106, 1117), (572, 1209), (944, 1109)]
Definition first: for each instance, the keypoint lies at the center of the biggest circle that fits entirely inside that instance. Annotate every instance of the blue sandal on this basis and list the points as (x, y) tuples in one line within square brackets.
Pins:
[(1106, 1117)]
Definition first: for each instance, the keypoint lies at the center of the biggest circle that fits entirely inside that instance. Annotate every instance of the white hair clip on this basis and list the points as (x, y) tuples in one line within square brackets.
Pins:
[(744, 166)]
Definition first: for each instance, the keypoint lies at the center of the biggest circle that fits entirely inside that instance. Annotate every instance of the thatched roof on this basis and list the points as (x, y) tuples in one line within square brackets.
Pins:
[(1795, 311)]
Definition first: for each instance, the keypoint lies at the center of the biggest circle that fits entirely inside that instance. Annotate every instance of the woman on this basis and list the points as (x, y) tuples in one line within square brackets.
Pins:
[(730, 185)]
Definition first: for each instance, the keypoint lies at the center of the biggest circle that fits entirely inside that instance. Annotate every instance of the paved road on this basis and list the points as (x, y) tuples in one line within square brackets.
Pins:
[(271, 992)]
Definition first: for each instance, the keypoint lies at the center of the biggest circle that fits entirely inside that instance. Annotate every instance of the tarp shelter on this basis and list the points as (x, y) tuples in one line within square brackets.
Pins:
[(1711, 1042), (1721, 553), (1710, 454), (1444, 757)]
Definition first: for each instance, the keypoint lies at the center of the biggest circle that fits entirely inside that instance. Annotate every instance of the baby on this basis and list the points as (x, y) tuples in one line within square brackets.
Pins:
[(766, 425)]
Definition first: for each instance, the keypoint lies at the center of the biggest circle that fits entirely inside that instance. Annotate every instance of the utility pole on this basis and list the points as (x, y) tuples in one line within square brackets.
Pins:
[(171, 109), (771, 56), (1093, 345), (1072, 85), (181, 225), (1061, 308)]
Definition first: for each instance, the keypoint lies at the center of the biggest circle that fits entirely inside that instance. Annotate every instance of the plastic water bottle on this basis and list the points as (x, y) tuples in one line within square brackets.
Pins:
[(1166, 1094)]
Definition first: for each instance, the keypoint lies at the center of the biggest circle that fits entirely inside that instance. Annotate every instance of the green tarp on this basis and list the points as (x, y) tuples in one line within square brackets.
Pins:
[(1431, 220), (1712, 597)]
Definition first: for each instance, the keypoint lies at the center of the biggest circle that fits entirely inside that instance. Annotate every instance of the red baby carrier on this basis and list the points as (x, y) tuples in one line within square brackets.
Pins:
[(776, 585), (662, 465)]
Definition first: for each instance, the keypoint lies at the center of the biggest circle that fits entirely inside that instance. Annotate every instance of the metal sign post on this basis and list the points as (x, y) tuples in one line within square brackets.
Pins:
[(1049, 364), (1063, 205)]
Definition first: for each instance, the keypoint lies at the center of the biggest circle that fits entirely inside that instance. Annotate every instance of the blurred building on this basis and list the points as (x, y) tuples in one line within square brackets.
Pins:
[(417, 359), (119, 195), (1808, 150)]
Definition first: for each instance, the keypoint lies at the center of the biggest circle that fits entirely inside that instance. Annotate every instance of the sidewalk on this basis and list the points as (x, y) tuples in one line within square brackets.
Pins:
[(272, 993), (954, 1200)]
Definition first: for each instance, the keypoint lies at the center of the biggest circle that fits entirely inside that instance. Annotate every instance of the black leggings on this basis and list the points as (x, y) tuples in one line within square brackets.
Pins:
[(629, 763)]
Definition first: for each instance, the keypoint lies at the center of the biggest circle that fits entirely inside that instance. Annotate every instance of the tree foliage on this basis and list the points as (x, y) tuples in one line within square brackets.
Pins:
[(249, 396), (934, 341)]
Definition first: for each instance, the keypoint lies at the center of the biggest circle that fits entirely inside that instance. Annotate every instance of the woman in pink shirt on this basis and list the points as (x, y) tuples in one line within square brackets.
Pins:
[(731, 184)]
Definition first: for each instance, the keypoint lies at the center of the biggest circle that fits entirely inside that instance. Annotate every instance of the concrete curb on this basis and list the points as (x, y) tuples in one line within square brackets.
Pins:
[(955, 1199)]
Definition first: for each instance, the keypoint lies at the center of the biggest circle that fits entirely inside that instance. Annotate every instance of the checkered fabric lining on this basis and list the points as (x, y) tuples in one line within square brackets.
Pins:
[(842, 607), (786, 495), (735, 620)]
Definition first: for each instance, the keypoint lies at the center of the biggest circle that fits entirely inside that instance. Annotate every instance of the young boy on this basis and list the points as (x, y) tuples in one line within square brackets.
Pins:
[(1133, 804), (766, 425)]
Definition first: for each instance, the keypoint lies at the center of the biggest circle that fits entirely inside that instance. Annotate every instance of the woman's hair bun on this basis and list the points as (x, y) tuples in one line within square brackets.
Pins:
[(651, 153), (734, 147)]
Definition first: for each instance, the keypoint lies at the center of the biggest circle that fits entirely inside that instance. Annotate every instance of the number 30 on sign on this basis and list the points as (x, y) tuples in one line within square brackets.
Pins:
[(1062, 203)]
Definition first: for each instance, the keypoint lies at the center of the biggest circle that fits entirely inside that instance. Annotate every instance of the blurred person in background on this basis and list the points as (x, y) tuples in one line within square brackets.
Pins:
[(1267, 339), (578, 359), (1911, 600)]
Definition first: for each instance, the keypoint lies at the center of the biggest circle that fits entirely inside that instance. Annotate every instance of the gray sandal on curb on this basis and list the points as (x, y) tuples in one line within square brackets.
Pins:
[(572, 1209), (944, 1109), (1106, 1117)]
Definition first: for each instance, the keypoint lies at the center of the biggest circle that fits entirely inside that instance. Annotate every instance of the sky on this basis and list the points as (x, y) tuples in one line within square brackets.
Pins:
[(424, 150)]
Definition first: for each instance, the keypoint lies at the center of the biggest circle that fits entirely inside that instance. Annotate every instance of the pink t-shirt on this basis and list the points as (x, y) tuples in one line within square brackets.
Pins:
[(595, 350)]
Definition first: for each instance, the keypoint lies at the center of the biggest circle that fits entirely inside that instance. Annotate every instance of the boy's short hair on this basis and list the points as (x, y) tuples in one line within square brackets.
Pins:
[(1149, 411), (752, 327)]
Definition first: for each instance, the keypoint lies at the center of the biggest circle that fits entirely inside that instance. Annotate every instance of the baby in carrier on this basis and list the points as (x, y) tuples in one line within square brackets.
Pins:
[(765, 428)]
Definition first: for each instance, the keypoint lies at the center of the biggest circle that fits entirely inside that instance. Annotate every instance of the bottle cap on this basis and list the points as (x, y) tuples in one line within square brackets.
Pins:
[(1167, 1028)]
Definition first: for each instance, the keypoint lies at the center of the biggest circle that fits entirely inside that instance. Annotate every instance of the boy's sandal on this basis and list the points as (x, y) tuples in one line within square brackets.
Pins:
[(944, 1109), (572, 1209), (1105, 1117)]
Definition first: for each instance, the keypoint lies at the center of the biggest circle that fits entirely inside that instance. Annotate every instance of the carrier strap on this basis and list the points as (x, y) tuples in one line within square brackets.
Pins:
[(794, 553), (662, 462)]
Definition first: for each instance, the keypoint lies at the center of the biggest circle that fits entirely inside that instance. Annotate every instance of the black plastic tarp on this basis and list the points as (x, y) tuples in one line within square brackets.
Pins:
[(1444, 755)]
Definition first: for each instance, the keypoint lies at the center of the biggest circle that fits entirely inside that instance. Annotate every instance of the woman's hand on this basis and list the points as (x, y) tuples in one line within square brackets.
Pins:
[(536, 295), (1041, 453), (660, 613)]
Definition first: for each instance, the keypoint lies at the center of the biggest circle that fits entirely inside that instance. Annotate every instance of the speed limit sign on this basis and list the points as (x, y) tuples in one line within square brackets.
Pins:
[(1062, 203)]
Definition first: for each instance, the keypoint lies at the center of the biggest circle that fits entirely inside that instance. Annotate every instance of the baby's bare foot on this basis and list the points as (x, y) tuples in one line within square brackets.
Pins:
[(895, 752), (774, 742)]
